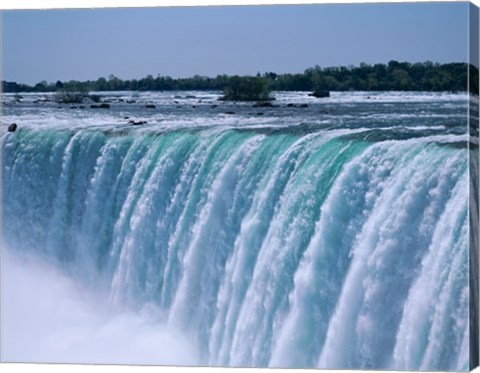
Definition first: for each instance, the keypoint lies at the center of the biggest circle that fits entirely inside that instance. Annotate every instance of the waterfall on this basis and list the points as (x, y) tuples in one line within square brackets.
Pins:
[(266, 248)]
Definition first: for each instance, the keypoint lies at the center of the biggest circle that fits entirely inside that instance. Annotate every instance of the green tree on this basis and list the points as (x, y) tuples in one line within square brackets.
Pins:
[(400, 80), (247, 89)]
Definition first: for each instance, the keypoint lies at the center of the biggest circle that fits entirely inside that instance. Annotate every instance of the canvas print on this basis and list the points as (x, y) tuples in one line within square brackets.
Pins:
[(290, 186)]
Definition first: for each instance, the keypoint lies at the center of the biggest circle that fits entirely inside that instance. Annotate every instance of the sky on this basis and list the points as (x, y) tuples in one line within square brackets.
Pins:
[(131, 43)]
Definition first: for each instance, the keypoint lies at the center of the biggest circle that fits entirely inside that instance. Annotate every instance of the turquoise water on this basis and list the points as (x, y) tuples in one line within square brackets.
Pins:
[(276, 243)]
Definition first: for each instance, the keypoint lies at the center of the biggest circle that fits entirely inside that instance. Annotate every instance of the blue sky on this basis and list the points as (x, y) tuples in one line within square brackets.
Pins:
[(181, 42)]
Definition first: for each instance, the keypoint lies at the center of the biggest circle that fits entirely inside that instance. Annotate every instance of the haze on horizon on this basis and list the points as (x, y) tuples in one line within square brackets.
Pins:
[(131, 43)]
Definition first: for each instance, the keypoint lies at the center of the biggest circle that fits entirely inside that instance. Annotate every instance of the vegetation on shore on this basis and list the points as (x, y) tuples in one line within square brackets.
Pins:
[(395, 76)]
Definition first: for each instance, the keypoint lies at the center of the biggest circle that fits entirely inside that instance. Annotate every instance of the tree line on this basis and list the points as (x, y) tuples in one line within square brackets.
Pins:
[(394, 76)]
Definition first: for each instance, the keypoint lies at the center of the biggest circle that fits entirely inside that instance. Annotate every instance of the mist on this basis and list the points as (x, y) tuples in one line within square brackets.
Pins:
[(47, 317)]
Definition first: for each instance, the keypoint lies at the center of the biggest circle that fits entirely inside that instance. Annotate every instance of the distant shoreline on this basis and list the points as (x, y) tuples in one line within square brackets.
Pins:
[(394, 76)]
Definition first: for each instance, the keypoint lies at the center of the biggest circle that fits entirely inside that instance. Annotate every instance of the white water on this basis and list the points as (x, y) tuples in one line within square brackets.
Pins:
[(261, 246)]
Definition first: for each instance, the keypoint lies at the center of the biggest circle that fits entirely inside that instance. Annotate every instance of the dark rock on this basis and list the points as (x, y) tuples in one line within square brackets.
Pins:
[(126, 117), (101, 106), (320, 94), (175, 102), (131, 101), (73, 107), (297, 105), (137, 123), (12, 127), (193, 106), (229, 112), (150, 106), (263, 104)]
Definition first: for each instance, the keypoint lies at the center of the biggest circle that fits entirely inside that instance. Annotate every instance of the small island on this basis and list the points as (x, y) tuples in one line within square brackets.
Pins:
[(247, 89)]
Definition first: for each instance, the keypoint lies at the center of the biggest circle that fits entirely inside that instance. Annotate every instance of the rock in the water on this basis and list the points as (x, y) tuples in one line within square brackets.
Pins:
[(137, 123), (320, 94), (263, 104), (297, 105), (230, 112), (150, 106), (12, 127), (101, 106)]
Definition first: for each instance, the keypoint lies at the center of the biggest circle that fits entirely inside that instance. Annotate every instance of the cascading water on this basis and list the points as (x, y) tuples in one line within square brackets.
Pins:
[(335, 248)]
